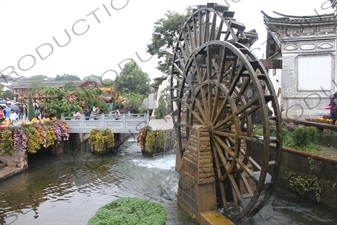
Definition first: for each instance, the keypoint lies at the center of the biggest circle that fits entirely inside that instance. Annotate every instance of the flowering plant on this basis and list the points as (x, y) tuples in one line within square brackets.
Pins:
[(110, 138), (154, 140), (33, 137), (7, 143), (61, 131), (42, 133), (19, 140), (98, 138), (50, 135)]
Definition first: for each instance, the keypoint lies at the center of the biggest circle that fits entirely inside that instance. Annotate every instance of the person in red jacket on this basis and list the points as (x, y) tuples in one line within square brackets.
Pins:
[(333, 104)]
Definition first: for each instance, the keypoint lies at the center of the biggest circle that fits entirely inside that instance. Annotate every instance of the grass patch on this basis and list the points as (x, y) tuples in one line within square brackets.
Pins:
[(302, 138), (126, 211)]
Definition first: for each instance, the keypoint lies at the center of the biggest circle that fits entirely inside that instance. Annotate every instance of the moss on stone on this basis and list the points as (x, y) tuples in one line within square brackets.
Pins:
[(126, 211)]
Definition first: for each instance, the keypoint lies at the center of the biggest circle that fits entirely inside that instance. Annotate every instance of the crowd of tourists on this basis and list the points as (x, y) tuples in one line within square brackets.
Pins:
[(19, 111)]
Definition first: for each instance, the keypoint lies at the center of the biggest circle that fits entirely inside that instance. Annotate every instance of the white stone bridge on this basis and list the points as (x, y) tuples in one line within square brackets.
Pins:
[(127, 123)]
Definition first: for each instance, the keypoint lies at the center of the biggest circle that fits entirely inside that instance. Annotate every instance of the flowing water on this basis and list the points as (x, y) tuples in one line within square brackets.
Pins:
[(69, 189)]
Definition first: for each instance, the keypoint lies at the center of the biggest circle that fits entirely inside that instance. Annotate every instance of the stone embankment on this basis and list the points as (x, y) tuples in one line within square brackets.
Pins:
[(12, 164)]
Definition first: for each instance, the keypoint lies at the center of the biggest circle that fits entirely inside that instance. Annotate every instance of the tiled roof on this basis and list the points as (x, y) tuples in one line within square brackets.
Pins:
[(300, 20), (48, 83)]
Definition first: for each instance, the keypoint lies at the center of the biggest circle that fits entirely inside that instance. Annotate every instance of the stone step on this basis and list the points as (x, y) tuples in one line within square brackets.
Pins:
[(214, 218)]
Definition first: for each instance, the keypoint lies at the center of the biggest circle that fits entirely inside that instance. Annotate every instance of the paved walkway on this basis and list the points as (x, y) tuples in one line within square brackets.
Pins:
[(164, 124)]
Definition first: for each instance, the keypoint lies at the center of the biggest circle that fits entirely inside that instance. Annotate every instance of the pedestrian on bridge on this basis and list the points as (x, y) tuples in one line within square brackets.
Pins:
[(87, 113), (117, 114), (77, 115)]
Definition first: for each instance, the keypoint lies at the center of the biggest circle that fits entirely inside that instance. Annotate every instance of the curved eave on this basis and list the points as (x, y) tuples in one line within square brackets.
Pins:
[(315, 19)]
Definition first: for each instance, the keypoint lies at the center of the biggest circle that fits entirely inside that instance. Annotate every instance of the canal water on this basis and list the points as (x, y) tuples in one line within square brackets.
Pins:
[(69, 189)]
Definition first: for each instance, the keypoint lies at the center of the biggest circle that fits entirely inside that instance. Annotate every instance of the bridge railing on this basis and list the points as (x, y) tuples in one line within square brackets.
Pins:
[(125, 123)]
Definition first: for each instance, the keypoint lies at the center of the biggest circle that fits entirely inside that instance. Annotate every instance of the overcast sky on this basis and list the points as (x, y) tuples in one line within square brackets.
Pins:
[(110, 31)]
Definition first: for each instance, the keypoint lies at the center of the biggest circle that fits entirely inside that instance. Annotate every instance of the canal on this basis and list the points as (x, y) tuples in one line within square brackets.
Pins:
[(69, 189)]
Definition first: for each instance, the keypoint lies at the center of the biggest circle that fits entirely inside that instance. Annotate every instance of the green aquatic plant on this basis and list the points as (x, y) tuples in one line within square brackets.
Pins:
[(125, 211)]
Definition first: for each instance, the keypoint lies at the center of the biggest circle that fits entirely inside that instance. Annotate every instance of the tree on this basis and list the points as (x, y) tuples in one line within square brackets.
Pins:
[(71, 86), (132, 79), (58, 101), (36, 85), (93, 77), (70, 99), (160, 111), (66, 77), (8, 94), (133, 102), (166, 31), (158, 80), (1, 90), (31, 111)]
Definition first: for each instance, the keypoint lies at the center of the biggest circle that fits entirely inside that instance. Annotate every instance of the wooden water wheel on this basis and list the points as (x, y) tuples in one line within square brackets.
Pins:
[(217, 82)]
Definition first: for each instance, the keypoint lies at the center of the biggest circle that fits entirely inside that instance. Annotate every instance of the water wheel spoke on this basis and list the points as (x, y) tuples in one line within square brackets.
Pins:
[(195, 114), (192, 35), (201, 89), (183, 51), (220, 110), (199, 33), (236, 113), (218, 35), (233, 154), (209, 84), (213, 28), (236, 191), (200, 107), (232, 134), (206, 27), (218, 172), (247, 186), (218, 90)]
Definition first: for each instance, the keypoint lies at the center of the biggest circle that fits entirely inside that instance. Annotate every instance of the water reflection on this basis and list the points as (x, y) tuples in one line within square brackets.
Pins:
[(69, 189)]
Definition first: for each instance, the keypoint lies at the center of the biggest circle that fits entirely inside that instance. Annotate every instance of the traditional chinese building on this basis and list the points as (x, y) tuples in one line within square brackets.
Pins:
[(23, 87), (301, 59)]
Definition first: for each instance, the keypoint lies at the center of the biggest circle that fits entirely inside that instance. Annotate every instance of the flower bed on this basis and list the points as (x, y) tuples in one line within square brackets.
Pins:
[(31, 136), (323, 119)]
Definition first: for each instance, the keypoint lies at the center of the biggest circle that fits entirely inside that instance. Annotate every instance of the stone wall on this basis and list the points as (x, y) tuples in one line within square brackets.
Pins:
[(12, 164), (17, 160), (309, 176), (170, 141)]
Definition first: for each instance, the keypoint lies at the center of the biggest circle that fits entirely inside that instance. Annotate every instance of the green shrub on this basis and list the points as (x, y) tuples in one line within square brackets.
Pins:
[(31, 110), (160, 111), (304, 136), (125, 211)]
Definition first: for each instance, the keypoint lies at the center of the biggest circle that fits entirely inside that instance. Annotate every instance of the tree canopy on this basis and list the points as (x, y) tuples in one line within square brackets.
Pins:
[(132, 79), (67, 77), (36, 85), (8, 94), (70, 99), (166, 31), (93, 77)]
